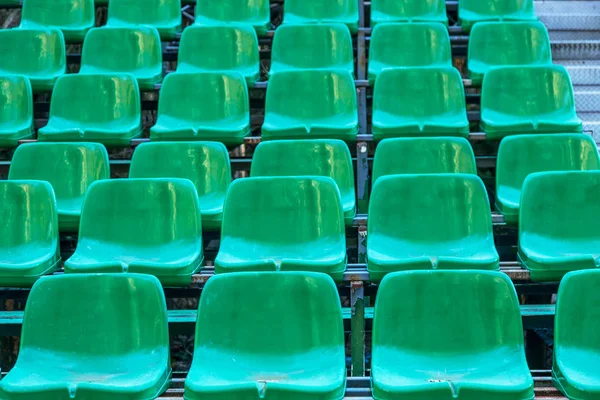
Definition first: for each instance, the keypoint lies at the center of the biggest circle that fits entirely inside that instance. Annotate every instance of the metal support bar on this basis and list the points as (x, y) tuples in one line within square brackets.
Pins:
[(357, 323)]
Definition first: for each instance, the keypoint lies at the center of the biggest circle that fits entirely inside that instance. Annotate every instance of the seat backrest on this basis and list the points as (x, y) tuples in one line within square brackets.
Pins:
[(270, 313), (96, 315), (233, 10), (37, 51), (495, 8), (59, 13), (430, 155), (407, 10), (150, 12), (141, 212), (317, 10), (16, 99)]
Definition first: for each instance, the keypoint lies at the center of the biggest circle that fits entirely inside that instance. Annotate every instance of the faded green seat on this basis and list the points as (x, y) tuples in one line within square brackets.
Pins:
[(28, 233), (133, 50), (38, 53), (418, 102), (283, 224), (225, 48), (528, 99), (321, 11), (318, 157), (472, 11), (150, 226), (271, 335), (521, 155), (429, 155), (558, 223), (203, 106), (16, 110), (449, 335), (164, 15), (92, 337), (322, 46), (498, 44), (206, 164), (69, 167), (94, 108), (429, 221), (73, 17), (408, 11), (408, 45), (576, 345), (311, 104), (252, 12)]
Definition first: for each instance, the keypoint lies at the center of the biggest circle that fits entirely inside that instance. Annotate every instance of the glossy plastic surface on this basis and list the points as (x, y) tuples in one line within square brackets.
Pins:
[(92, 337), (408, 11), (253, 12), (37, 53), (432, 221), (323, 106), (16, 110), (318, 157), (150, 226), (271, 335), (28, 233), (283, 224), (576, 340), (408, 45), (436, 155), (321, 11), (226, 48), (133, 50), (528, 99), (566, 238), (521, 155), (418, 102), (206, 164), (73, 17), (322, 46), (164, 15), (449, 335), (472, 11), (203, 106), (498, 44), (94, 108)]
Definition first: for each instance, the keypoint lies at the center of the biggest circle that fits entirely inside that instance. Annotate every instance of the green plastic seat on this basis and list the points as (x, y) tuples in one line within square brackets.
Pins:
[(73, 17), (576, 346), (472, 11), (521, 155), (164, 15), (558, 223), (418, 102), (92, 337), (94, 108), (283, 224), (449, 335), (252, 12), (38, 53), (10, 3), (429, 221), (319, 157), (408, 11), (429, 155), (29, 232), (322, 46), (150, 226), (323, 106), (268, 335), (185, 114), (226, 48), (69, 167), (206, 164), (133, 50), (321, 11), (16, 110), (528, 99), (394, 45), (498, 44)]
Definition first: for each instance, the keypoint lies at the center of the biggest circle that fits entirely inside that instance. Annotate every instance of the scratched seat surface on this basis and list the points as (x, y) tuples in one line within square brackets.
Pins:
[(164, 15), (16, 110), (256, 13), (408, 11), (473, 11), (73, 17), (271, 335), (321, 11)]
